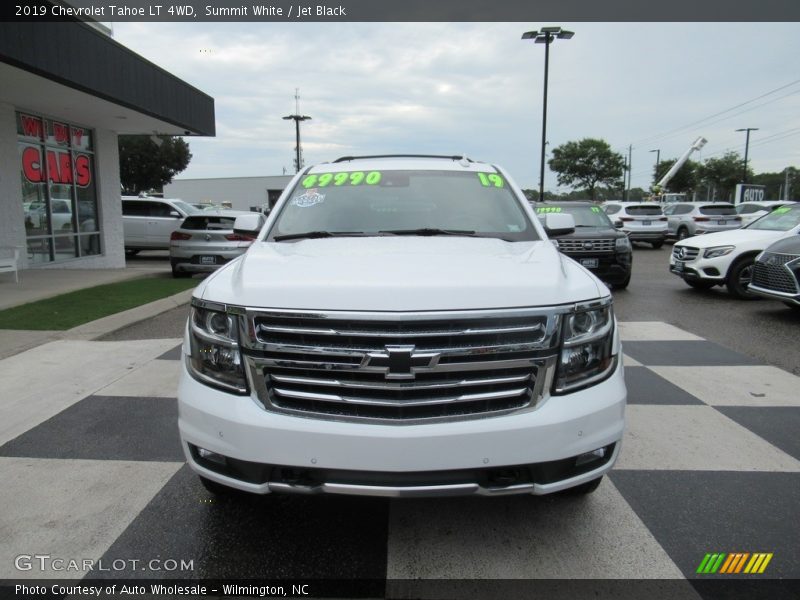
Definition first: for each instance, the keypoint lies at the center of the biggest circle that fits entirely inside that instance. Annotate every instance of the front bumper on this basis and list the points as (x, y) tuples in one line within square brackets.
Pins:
[(700, 269), (533, 452), (611, 268), (774, 294)]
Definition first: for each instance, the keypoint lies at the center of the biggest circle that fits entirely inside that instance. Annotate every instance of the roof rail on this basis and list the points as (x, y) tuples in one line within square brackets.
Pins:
[(453, 157)]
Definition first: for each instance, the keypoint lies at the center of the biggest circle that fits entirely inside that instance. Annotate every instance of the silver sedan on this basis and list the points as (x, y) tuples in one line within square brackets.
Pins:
[(206, 241)]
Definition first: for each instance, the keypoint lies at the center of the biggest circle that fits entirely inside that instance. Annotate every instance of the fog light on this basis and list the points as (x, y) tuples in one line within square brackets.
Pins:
[(210, 456), (590, 457)]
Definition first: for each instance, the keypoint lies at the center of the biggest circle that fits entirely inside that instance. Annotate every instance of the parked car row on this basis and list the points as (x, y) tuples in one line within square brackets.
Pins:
[(744, 259)]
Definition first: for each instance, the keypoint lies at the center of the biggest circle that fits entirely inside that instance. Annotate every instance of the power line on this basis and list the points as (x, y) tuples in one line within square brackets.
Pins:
[(727, 110)]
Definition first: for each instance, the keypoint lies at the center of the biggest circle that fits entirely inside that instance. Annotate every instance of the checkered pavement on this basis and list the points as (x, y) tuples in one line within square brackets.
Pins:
[(92, 467)]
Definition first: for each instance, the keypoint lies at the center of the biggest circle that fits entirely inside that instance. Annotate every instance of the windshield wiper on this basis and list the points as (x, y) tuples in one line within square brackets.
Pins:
[(428, 231), (316, 234)]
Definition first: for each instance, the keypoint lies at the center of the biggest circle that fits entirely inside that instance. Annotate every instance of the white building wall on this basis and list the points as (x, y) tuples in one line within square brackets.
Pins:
[(12, 213), (241, 192)]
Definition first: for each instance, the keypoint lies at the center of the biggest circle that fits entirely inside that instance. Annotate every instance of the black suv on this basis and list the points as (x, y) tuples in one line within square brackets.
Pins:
[(596, 243)]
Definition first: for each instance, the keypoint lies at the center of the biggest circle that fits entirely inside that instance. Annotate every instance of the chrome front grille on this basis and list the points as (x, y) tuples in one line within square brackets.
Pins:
[(685, 253), (400, 367), (568, 246), (770, 273)]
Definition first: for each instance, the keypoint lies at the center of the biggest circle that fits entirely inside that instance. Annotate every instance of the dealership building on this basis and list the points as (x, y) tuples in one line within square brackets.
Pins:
[(67, 90)]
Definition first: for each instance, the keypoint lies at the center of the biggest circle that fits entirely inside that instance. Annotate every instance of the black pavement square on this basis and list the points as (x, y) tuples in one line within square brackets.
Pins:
[(105, 428), (685, 353), (779, 425), (249, 536), (174, 354), (646, 387), (691, 513)]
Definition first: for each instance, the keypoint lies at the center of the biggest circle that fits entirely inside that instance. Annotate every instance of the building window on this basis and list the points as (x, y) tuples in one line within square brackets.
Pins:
[(59, 194)]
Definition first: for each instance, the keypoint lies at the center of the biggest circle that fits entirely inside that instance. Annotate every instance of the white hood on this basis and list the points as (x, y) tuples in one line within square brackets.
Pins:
[(734, 237), (401, 274)]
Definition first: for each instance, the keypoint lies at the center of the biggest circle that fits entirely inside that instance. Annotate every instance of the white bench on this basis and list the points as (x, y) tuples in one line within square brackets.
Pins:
[(9, 261)]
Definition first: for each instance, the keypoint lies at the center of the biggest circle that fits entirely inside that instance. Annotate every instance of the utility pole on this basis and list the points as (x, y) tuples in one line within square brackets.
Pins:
[(746, 149), (297, 117)]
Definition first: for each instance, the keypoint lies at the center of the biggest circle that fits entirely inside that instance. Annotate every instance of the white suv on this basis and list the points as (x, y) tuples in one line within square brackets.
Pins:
[(726, 258), (402, 326), (641, 221), (149, 222)]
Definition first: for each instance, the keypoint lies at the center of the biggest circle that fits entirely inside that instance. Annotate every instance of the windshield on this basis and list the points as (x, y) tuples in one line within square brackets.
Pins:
[(395, 202), (186, 207), (585, 216), (780, 219)]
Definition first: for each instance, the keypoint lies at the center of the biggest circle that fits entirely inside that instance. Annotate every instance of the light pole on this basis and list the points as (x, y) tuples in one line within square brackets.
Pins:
[(746, 148), (297, 119), (546, 37), (658, 160)]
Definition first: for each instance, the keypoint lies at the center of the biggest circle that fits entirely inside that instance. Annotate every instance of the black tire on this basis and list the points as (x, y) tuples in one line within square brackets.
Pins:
[(656, 245), (584, 489), (622, 284), (177, 274), (682, 234), (217, 488), (739, 275), (699, 284)]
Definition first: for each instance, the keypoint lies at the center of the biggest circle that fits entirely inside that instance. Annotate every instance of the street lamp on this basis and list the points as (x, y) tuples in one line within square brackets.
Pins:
[(746, 148), (297, 119), (658, 161), (546, 37)]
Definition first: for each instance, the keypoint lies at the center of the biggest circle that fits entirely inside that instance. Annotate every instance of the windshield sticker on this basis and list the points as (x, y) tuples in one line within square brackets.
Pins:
[(309, 198), (595, 209), (782, 209), (338, 179), (548, 209), (491, 180)]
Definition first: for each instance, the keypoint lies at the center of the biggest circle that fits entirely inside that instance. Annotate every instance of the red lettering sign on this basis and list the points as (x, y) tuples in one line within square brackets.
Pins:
[(59, 167), (61, 133), (77, 137), (83, 172), (31, 126), (32, 164)]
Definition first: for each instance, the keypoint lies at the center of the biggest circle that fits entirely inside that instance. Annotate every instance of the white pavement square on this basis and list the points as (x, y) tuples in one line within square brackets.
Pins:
[(695, 438), (645, 331), (156, 379), (754, 385), (71, 509)]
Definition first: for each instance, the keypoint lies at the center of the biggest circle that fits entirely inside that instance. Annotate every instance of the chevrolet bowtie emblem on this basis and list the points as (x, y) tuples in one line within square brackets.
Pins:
[(400, 362)]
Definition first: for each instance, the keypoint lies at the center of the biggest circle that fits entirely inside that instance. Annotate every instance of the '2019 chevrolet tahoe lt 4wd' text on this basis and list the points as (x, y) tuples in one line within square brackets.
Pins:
[(402, 326)]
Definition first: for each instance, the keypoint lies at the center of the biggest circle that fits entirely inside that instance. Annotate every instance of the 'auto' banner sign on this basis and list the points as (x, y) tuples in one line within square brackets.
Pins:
[(747, 192)]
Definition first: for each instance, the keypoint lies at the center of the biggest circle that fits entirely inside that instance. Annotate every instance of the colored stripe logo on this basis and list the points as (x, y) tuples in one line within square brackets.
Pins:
[(734, 563)]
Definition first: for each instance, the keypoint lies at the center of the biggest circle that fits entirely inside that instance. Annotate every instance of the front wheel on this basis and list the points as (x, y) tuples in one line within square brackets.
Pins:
[(622, 284), (683, 233), (739, 277)]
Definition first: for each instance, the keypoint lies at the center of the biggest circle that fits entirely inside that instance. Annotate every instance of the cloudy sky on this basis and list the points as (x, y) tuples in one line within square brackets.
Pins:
[(476, 88)]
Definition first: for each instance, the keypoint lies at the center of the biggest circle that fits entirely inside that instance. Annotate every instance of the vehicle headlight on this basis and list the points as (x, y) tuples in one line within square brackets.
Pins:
[(623, 243), (718, 251), (587, 353), (214, 355)]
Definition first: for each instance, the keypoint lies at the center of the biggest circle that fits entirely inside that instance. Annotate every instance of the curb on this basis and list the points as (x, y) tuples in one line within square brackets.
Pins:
[(19, 341), (105, 325)]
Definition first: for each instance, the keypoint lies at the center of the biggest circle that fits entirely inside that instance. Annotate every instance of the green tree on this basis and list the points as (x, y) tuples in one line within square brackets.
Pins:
[(146, 166), (775, 183), (685, 180), (587, 163), (724, 173)]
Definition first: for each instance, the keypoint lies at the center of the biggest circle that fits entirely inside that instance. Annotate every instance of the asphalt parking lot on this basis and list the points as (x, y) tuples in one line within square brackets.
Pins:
[(710, 464)]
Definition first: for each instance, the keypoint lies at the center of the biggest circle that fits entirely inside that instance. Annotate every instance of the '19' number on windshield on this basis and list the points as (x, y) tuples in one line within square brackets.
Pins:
[(490, 179)]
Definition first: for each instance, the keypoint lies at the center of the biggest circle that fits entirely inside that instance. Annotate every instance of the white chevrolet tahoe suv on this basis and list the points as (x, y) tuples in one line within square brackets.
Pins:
[(402, 326)]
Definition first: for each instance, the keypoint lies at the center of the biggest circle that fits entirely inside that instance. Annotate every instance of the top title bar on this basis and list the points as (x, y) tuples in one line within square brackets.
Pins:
[(400, 10)]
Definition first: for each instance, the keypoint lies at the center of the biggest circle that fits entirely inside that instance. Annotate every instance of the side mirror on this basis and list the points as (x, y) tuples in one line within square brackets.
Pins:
[(248, 225), (556, 224), (175, 214), (619, 224)]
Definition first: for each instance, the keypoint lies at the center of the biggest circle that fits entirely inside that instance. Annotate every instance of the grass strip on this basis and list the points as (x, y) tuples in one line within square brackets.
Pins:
[(79, 307)]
